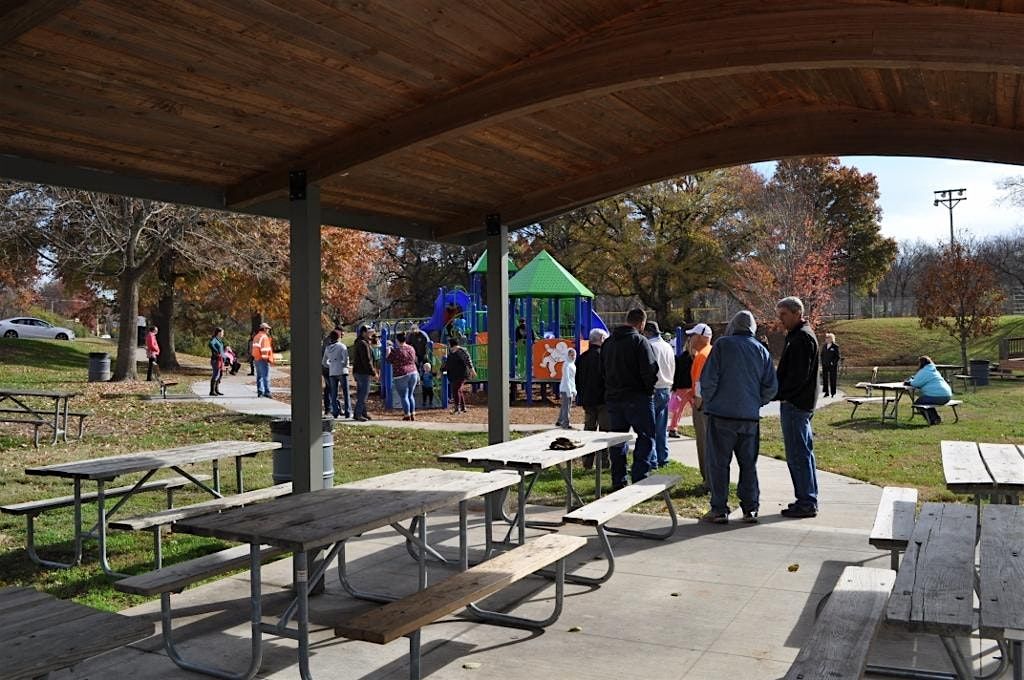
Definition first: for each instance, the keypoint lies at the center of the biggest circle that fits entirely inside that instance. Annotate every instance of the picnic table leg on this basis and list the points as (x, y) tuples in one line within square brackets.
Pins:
[(216, 476), (66, 409), (302, 594), (239, 483), (489, 502), (463, 536), (1017, 652), (30, 536), (56, 420), (960, 665), (101, 531), (350, 589), (423, 551)]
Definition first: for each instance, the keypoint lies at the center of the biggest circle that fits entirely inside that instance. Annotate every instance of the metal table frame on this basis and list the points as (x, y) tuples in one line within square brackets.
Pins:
[(899, 389), (59, 424)]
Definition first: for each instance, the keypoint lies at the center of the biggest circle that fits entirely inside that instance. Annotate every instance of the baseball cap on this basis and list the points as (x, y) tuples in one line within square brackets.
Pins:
[(265, 325), (651, 328), (700, 329)]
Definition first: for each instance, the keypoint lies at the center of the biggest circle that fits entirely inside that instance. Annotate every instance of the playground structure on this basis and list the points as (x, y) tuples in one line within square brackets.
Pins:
[(556, 308)]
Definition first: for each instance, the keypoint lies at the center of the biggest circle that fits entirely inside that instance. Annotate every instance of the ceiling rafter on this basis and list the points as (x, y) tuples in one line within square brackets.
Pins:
[(631, 54), (18, 17)]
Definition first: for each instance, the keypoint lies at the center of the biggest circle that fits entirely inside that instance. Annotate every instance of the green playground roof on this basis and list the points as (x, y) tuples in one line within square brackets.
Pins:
[(545, 277), (481, 265)]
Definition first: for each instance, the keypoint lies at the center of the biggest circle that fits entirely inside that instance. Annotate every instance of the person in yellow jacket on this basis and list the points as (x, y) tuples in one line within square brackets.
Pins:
[(262, 352)]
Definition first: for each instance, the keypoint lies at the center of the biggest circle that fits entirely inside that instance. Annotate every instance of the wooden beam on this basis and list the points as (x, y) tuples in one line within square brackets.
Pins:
[(675, 42), (18, 17), (768, 135)]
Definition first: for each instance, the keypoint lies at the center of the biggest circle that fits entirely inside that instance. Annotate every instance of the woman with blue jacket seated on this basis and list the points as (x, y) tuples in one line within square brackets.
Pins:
[(932, 389)]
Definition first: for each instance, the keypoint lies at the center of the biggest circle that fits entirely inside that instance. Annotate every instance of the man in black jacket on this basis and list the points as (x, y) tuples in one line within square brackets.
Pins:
[(798, 393), (630, 371), (590, 388)]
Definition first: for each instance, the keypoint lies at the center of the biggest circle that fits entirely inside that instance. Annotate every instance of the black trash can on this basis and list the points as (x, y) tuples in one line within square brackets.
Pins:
[(99, 367), (979, 371), (281, 432)]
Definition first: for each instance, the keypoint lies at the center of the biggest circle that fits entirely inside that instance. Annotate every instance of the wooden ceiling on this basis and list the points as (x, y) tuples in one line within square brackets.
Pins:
[(420, 117)]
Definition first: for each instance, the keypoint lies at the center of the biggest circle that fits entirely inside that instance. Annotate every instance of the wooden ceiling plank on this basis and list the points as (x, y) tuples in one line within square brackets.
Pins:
[(18, 17), (632, 54)]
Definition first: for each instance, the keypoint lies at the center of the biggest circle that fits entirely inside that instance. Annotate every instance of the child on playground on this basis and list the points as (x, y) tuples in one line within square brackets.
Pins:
[(567, 389), (427, 379)]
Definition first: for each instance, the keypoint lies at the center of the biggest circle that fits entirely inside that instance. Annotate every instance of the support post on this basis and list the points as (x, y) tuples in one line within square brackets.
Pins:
[(497, 330), (304, 237)]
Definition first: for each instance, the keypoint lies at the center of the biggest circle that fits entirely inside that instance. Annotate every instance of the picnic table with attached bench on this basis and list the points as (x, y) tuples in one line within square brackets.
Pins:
[(56, 418), (984, 470), (42, 634), (326, 519), (531, 455), (104, 470)]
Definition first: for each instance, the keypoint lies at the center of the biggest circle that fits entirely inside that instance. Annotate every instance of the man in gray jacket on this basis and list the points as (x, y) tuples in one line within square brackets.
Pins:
[(737, 381)]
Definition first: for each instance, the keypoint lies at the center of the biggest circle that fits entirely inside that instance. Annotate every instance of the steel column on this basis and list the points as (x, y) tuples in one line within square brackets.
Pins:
[(497, 331), (307, 435)]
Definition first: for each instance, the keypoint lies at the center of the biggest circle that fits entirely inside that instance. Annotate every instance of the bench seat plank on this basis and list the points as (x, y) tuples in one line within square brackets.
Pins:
[(894, 522), (392, 621), (934, 590), (172, 515), (1005, 464), (35, 507), (838, 648), (866, 400), (606, 508), (177, 577), (963, 467), (1002, 569)]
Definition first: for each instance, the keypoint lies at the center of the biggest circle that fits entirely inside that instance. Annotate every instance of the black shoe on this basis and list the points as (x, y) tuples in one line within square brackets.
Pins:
[(796, 512), (359, 419), (750, 517), (674, 434)]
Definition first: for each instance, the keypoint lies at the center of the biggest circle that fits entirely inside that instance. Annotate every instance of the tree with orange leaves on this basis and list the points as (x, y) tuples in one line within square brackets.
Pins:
[(959, 292)]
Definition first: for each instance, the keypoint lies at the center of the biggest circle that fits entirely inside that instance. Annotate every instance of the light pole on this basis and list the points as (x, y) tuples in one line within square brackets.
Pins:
[(945, 197)]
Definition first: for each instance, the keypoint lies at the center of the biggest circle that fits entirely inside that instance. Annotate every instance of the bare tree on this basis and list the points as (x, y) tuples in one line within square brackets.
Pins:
[(898, 287)]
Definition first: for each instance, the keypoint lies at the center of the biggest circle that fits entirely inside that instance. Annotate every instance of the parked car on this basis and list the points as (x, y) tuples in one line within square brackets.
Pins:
[(28, 327)]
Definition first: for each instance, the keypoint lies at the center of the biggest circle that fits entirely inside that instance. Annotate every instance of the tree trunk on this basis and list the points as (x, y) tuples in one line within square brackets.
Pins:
[(164, 318), (128, 310)]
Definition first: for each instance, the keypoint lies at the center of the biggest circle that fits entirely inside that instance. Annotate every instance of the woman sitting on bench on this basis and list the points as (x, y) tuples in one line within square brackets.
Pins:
[(932, 387)]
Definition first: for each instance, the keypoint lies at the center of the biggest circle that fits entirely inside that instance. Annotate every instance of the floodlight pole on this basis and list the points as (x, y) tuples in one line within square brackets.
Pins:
[(946, 197)]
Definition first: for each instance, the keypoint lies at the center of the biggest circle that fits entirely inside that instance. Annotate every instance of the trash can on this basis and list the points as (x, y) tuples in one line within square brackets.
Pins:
[(281, 432), (99, 367), (979, 371)]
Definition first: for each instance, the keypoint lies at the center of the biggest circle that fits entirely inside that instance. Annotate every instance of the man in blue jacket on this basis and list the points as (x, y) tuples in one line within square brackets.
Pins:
[(737, 381)]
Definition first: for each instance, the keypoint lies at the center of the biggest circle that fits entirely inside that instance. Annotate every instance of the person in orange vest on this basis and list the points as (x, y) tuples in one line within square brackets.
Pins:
[(262, 352)]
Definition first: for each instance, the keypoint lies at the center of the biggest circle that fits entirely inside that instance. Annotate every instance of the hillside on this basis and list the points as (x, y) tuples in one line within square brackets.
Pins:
[(899, 342)]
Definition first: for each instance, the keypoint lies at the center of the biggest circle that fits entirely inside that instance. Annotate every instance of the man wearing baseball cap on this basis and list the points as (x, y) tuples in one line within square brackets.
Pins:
[(700, 348), (262, 351)]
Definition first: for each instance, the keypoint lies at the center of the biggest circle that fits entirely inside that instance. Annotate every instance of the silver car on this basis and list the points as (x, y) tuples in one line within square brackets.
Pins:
[(28, 327)]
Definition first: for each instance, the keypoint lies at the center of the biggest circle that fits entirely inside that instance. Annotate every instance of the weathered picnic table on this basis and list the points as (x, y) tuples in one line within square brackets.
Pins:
[(531, 455), (984, 470), (55, 419), (897, 390), (327, 518), (949, 586), (43, 634), (104, 470)]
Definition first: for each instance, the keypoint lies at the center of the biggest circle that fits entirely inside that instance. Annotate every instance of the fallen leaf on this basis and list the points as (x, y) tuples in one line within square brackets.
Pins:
[(575, 629), (471, 665), (793, 567)]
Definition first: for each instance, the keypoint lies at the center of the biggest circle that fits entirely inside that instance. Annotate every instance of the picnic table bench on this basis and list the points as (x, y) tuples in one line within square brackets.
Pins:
[(43, 634), (104, 470), (598, 513), (56, 418), (894, 521)]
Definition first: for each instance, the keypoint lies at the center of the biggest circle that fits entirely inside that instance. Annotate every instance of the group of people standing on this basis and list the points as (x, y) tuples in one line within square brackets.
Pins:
[(633, 379)]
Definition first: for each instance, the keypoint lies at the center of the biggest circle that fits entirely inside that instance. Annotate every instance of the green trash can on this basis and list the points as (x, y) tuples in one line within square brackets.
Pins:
[(281, 432)]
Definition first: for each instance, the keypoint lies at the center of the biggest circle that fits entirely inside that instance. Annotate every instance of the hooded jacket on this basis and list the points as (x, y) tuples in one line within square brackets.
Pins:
[(630, 368), (930, 383), (590, 377), (738, 378)]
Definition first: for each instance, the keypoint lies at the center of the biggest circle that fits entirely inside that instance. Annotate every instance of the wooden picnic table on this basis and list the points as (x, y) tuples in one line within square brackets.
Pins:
[(985, 470), (898, 389), (327, 518), (43, 634), (104, 470), (532, 454), (58, 423), (946, 369), (942, 574)]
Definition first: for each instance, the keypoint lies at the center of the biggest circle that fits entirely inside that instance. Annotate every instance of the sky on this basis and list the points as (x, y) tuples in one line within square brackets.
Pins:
[(906, 186)]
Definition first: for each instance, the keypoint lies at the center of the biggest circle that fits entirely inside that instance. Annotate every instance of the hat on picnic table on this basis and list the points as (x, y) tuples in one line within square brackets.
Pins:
[(565, 444), (700, 329)]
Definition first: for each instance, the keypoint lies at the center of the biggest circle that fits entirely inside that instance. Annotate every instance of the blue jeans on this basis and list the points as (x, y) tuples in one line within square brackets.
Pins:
[(362, 392), (638, 414), (263, 378), (931, 401), (405, 387), (337, 386), (799, 442), (563, 411), (725, 437), (660, 457)]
